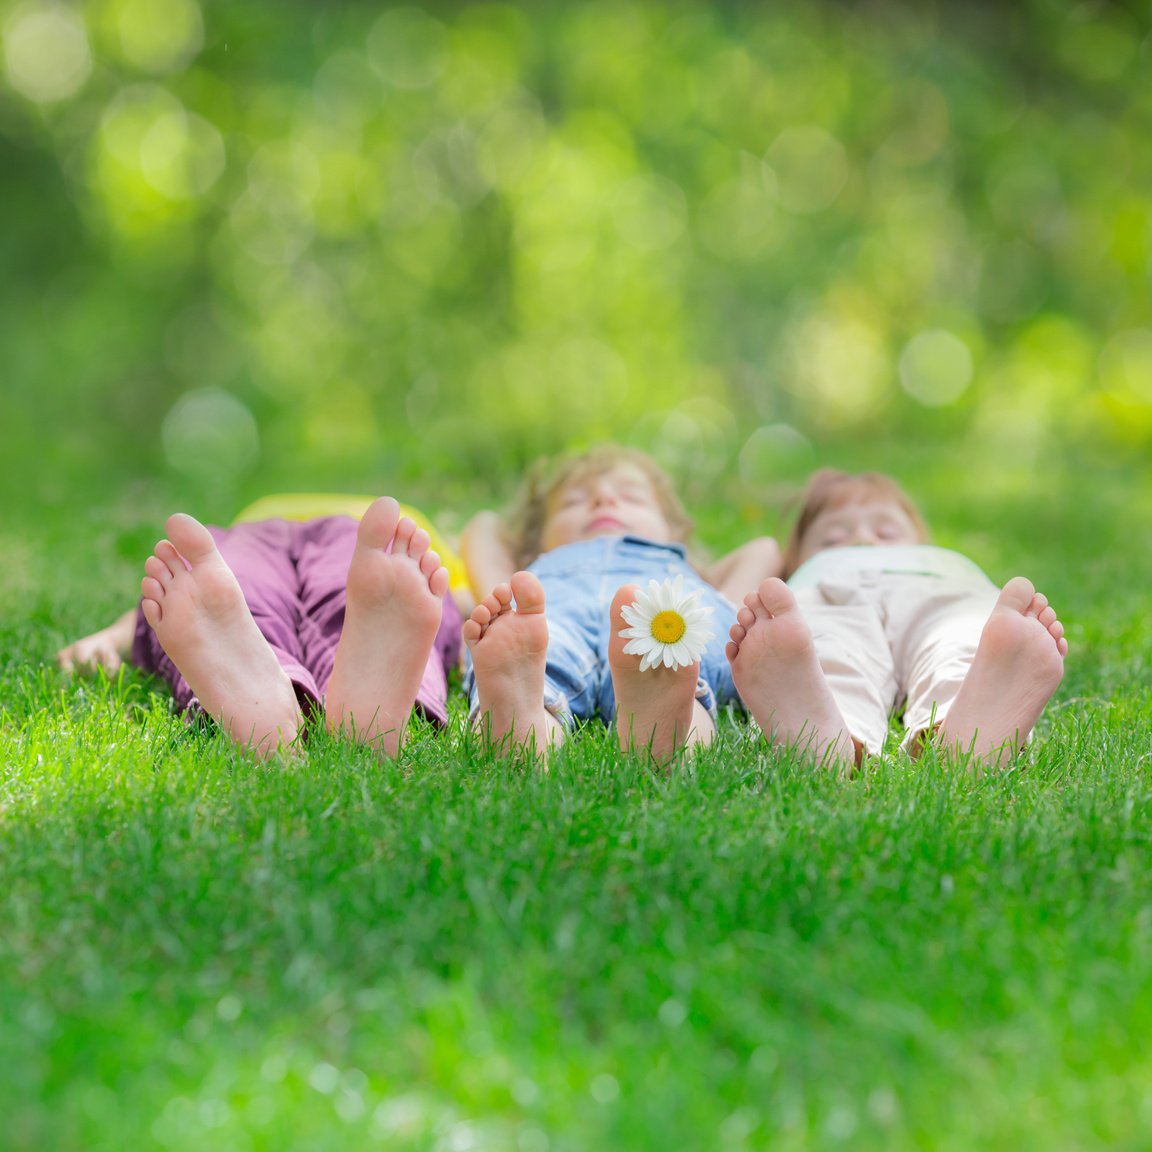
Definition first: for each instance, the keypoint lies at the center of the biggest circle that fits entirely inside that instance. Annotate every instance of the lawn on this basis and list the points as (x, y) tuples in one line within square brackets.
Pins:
[(198, 951)]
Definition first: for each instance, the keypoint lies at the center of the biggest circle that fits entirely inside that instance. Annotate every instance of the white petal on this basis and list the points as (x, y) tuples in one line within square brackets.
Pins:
[(662, 595)]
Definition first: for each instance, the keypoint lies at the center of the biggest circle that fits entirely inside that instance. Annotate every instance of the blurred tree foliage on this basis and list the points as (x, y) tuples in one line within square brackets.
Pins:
[(258, 243)]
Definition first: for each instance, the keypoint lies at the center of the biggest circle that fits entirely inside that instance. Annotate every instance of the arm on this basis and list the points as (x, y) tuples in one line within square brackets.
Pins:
[(106, 649), (742, 570), (486, 556)]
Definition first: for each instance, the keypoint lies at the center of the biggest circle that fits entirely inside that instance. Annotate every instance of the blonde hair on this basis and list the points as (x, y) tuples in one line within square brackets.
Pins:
[(547, 477), (831, 488)]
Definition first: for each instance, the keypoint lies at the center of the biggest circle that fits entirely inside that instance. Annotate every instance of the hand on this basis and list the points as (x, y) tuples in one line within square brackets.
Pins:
[(745, 567), (106, 649)]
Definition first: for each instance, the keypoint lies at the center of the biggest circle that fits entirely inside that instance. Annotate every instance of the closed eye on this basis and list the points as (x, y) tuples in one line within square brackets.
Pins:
[(570, 497), (635, 495)]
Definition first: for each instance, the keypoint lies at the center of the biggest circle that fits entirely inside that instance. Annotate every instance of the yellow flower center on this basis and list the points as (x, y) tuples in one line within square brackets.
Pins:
[(668, 626)]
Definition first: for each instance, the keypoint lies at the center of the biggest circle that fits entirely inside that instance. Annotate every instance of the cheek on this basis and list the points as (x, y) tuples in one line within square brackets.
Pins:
[(658, 526)]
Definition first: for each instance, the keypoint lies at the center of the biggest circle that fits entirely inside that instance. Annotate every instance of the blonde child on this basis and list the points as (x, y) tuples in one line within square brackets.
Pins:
[(257, 624), (545, 643), (874, 618)]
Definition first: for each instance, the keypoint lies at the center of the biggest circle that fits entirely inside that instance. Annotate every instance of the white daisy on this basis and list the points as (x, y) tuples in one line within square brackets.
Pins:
[(666, 626)]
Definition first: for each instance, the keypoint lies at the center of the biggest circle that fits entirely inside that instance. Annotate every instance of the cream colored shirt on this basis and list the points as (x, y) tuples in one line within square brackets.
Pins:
[(840, 564)]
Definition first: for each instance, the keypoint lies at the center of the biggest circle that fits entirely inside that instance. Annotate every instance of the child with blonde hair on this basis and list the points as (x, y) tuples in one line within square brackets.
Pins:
[(874, 618), (545, 643)]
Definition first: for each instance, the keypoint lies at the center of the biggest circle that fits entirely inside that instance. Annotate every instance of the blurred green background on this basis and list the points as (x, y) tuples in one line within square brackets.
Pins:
[(252, 245)]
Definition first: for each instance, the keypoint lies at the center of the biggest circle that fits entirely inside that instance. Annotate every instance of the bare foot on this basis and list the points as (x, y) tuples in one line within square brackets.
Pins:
[(395, 596), (509, 646), (778, 676), (197, 610), (656, 709), (1019, 663)]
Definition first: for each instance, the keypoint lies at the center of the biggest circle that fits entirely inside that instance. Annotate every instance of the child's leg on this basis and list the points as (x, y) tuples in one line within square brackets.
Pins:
[(934, 627), (509, 648), (656, 709), (196, 607), (1019, 663), (779, 677), (394, 600)]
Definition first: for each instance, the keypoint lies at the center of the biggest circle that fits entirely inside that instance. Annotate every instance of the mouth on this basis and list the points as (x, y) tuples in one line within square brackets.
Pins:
[(606, 524)]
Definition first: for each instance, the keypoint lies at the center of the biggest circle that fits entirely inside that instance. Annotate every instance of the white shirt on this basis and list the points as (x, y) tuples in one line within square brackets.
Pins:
[(887, 559)]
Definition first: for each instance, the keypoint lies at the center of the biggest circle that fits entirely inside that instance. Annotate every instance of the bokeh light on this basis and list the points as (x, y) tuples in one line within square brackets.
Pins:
[(1125, 365), (649, 212), (408, 48), (772, 452), (840, 368), (46, 52), (181, 155), (810, 166), (723, 232), (935, 368), (737, 220), (210, 435), (156, 36)]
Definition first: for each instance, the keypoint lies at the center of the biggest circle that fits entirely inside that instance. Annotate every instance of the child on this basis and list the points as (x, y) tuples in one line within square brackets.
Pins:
[(545, 644), (258, 623), (822, 660)]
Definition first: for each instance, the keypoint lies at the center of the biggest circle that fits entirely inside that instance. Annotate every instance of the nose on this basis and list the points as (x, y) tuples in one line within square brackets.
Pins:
[(603, 492), (863, 534)]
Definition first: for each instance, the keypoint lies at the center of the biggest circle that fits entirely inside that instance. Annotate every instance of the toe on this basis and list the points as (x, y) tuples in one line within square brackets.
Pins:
[(776, 597), (438, 581), (529, 593), (150, 607), (159, 567), (190, 538), (402, 537), (625, 596), (1017, 594), (379, 522)]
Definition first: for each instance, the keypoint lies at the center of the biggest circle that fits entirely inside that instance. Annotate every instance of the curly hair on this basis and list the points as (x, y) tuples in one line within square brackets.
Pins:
[(548, 476), (831, 488)]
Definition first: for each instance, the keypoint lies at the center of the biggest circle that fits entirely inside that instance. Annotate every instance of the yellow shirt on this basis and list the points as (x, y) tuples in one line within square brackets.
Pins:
[(312, 505)]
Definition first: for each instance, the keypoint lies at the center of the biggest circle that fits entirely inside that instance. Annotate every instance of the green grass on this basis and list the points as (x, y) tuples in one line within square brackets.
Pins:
[(454, 952)]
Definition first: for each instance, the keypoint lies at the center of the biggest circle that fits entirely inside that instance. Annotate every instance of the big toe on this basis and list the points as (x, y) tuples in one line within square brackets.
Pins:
[(378, 524), (776, 597), (191, 539), (623, 598), (1017, 594), (529, 593)]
